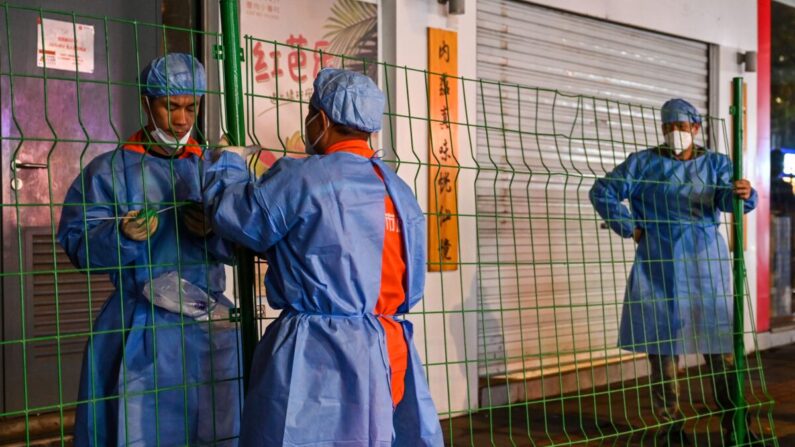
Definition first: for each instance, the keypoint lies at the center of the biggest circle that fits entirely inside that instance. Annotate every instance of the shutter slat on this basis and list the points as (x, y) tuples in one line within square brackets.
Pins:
[(72, 314)]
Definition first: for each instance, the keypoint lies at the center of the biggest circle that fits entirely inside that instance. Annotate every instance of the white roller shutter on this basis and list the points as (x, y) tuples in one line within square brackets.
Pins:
[(551, 280)]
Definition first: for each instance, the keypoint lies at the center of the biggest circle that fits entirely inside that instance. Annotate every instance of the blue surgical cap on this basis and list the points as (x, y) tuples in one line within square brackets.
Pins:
[(349, 98), (174, 74), (678, 110)]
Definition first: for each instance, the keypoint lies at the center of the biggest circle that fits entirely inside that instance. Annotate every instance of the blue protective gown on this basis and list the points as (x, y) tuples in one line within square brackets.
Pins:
[(139, 348), (679, 296), (320, 375)]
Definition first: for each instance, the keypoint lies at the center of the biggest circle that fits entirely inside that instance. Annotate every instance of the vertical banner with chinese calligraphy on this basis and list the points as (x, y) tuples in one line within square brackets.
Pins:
[(279, 75), (443, 157)]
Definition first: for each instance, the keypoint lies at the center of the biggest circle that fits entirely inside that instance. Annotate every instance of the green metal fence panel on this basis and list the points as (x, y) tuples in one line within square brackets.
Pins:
[(233, 96), (562, 388), (519, 342), (58, 118)]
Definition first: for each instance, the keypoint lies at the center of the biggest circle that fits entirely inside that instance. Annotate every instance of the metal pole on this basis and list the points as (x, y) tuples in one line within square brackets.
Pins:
[(235, 123), (738, 384)]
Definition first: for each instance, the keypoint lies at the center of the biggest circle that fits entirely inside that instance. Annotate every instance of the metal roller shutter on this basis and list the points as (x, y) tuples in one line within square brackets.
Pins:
[(551, 280)]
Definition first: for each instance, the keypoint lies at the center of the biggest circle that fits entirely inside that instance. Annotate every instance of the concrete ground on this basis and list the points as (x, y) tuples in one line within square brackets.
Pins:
[(611, 416), (618, 415)]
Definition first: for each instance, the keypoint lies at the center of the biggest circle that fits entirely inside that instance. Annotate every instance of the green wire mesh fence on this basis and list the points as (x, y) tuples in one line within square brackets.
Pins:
[(518, 339), (57, 122)]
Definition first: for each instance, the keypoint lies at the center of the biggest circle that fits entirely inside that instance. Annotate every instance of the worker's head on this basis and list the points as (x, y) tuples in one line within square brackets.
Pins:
[(681, 122), (344, 106), (171, 89)]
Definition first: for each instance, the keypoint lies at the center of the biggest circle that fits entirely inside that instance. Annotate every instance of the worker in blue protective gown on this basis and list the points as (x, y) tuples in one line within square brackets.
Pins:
[(679, 296), (152, 376), (344, 238)]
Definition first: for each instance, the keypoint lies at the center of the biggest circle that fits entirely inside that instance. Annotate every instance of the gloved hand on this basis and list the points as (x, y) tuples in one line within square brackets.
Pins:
[(223, 146), (243, 152), (196, 221), (138, 228)]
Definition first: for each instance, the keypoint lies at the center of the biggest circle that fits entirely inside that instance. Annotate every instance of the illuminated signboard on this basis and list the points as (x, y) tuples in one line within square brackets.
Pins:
[(789, 164)]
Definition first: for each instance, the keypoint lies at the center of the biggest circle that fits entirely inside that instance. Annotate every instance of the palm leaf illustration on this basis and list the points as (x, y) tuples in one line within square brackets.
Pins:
[(352, 30)]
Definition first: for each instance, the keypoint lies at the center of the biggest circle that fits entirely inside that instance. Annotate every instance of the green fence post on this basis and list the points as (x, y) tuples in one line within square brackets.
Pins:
[(738, 385), (235, 122)]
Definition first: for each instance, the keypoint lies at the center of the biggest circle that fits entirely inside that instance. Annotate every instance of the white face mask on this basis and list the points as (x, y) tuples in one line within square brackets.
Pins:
[(165, 139), (678, 141), (310, 148), (169, 141)]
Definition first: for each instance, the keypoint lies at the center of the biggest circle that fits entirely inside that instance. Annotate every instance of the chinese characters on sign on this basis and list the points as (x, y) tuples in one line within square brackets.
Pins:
[(443, 138), (287, 43), (263, 9), (65, 45), (269, 63)]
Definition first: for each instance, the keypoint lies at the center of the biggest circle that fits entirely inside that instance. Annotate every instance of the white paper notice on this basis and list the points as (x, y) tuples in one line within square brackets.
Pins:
[(65, 45)]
